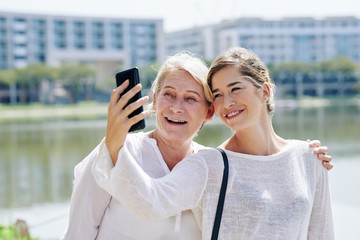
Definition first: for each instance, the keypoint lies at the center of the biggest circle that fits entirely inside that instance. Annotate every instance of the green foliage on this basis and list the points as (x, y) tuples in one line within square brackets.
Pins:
[(34, 74), (79, 79), (338, 65), (76, 72), (75, 76), (8, 233), (290, 68), (7, 77)]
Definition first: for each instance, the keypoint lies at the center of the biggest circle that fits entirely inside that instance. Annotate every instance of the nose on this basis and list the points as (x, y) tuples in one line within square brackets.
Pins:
[(177, 106), (228, 101)]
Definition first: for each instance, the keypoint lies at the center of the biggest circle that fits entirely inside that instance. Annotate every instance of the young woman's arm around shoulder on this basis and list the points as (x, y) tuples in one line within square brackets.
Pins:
[(321, 220)]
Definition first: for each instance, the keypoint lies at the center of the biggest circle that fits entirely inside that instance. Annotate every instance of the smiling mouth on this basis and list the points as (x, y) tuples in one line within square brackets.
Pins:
[(233, 113), (175, 121)]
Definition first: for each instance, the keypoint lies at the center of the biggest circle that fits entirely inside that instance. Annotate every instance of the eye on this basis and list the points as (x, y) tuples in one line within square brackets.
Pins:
[(168, 94), (235, 89), (191, 99), (217, 95)]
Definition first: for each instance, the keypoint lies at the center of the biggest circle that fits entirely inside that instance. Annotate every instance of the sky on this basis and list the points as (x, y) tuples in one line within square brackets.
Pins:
[(182, 14)]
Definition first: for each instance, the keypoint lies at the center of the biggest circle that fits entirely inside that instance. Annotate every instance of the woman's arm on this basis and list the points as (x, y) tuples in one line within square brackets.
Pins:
[(119, 123), (321, 220), (88, 202), (148, 198)]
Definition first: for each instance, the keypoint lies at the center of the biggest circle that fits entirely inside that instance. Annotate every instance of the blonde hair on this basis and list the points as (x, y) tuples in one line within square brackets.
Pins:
[(249, 65), (184, 62)]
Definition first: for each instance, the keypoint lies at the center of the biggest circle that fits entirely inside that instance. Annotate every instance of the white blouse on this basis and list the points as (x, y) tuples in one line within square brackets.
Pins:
[(94, 214), (281, 196)]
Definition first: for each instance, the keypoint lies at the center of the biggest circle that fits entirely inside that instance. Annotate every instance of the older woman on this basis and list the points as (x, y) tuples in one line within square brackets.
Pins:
[(276, 187), (181, 103)]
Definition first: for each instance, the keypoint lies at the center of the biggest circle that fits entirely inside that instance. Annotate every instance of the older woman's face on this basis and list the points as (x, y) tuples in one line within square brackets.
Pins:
[(180, 107)]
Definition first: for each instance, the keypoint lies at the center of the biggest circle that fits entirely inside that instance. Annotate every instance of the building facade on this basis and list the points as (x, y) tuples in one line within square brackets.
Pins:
[(274, 41), (105, 43), (306, 40)]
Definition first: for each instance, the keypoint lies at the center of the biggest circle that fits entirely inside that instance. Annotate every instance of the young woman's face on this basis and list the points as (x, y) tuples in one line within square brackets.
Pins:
[(237, 102), (180, 107)]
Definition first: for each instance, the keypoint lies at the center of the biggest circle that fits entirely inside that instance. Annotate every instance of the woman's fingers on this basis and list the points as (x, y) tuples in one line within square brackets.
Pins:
[(135, 105), (322, 153), (138, 117), (324, 157), (118, 113), (314, 143), (326, 160), (327, 165), (127, 96), (321, 150), (115, 95)]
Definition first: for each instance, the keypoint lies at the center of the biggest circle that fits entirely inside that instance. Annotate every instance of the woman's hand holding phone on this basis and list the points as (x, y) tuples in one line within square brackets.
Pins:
[(119, 122)]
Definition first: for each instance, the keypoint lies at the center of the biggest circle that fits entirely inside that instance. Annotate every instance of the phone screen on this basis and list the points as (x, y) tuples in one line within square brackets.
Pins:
[(132, 75)]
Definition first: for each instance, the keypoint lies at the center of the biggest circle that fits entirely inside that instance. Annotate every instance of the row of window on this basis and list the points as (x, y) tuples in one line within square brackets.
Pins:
[(313, 92), (36, 56), (82, 45), (81, 26), (298, 24), (284, 36)]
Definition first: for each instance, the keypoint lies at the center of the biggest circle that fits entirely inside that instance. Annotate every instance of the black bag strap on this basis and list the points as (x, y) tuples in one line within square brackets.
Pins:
[(220, 206)]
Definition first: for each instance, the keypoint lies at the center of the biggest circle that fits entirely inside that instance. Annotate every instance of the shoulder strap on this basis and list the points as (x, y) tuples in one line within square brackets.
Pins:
[(220, 205)]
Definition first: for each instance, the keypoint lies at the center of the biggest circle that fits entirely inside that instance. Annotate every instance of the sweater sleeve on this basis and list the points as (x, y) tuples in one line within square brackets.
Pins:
[(88, 202), (149, 198), (321, 219)]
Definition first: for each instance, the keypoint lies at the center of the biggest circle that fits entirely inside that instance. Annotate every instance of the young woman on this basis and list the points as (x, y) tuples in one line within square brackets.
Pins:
[(276, 188)]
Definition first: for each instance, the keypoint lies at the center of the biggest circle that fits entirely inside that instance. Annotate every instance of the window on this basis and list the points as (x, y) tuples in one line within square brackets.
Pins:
[(59, 24), (19, 20), (38, 23)]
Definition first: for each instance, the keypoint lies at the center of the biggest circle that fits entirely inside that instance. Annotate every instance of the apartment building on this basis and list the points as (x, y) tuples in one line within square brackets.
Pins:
[(274, 40), (307, 40), (105, 43)]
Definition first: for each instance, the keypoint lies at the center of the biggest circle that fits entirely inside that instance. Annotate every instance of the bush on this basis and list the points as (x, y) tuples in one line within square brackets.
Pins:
[(9, 233)]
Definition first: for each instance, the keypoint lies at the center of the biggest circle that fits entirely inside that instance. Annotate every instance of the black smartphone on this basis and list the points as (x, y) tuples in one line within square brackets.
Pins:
[(131, 74)]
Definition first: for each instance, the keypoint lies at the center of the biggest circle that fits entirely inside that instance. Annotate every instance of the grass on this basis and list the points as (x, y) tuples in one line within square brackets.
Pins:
[(37, 111)]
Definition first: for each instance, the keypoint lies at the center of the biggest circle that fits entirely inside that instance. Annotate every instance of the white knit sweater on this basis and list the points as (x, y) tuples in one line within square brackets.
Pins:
[(94, 214), (281, 196)]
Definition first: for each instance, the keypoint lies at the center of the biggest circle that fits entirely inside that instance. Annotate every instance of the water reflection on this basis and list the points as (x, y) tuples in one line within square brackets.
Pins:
[(337, 127), (37, 159)]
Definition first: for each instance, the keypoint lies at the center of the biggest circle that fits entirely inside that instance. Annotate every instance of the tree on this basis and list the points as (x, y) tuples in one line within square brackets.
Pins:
[(8, 79), (75, 77), (291, 68), (30, 78), (339, 64)]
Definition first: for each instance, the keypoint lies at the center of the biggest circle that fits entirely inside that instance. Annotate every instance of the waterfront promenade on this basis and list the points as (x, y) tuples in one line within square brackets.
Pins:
[(88, 110)]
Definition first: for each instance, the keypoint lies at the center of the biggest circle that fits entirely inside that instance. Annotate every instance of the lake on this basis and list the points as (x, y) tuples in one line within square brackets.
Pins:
[(37, 161)]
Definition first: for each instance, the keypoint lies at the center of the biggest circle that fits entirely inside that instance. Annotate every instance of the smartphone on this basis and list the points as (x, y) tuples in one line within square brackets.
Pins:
[(131, 74)]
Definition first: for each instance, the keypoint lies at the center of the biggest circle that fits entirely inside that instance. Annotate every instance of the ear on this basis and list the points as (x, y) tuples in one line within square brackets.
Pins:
[(153, 107), (266, 91), (210, 113)]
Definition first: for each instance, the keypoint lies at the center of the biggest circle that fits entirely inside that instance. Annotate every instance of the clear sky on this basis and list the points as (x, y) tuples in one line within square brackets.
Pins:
[(181, 14)]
